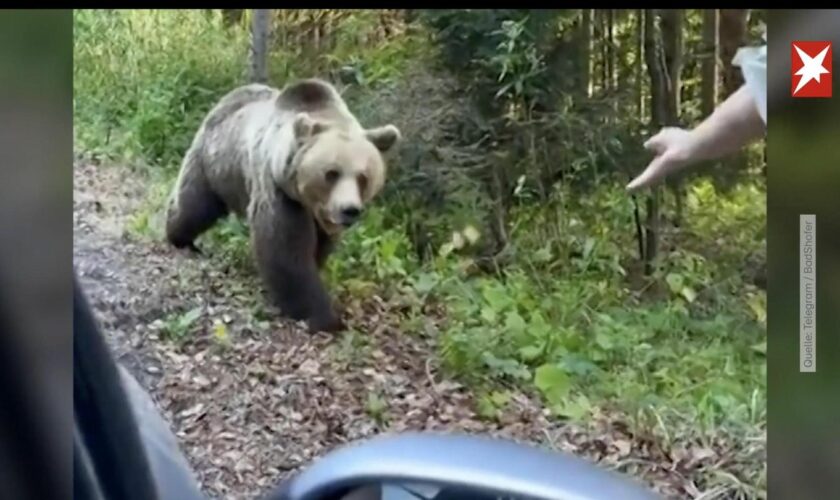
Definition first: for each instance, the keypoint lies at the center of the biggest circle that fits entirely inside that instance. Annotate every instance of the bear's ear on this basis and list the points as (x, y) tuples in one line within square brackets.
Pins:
[(384, 138), (305, 127)]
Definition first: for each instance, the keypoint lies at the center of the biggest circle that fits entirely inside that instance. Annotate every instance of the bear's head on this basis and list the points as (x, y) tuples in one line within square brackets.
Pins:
[(338, 171)]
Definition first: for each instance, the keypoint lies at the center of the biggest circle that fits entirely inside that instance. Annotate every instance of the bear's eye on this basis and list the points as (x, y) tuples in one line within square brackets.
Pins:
[(363, 181), (332, 175)]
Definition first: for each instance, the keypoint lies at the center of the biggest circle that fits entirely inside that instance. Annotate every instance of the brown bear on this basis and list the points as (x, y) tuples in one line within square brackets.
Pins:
[(298, 166)]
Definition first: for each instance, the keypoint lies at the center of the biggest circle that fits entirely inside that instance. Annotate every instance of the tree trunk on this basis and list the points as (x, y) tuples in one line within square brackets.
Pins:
[(709, 69), (640, 54), (652, 230), (655, 61), (602, 50), (605, 50), (733, 35), (497, 215), (231, 17), (672, 44), (656, 71), (586, 50), (672, 21), (259, 45), (611, 52), (640, 232)]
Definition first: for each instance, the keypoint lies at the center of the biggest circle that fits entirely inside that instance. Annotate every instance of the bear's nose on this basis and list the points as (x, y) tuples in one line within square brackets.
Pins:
[(350, 215)]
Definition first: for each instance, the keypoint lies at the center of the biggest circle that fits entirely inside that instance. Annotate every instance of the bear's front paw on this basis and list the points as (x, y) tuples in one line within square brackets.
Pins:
[(195, 250), (329, 323), (296, 314), (190, 250), (290, 309)]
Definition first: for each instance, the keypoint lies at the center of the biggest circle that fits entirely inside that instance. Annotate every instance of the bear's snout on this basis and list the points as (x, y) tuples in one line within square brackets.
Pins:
[(349, 215)]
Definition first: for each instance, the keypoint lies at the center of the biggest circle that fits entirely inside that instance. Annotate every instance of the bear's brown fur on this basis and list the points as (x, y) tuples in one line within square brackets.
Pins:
[(299, 167)]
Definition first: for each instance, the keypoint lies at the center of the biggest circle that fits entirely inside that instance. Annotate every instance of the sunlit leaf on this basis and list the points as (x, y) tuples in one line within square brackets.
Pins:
[(190, 317), (488, 314), (553, 382), (587, 247), (425, 282), (530, 353), (688, 293), (471, 234), (675, 282), (515, 323), (576, 408)]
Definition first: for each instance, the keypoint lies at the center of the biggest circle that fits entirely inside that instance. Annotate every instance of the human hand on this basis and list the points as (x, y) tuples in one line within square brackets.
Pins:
[(675, 149)]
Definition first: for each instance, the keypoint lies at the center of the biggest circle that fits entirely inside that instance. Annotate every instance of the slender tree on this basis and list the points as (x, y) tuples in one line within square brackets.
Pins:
[(733, 35), (586, 50), (654, 60), (640, 54), (611, 52), (710, 65), (672, 21), (259, 45)]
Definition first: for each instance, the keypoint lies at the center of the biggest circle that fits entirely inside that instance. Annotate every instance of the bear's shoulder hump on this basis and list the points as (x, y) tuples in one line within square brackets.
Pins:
[(308, 94)]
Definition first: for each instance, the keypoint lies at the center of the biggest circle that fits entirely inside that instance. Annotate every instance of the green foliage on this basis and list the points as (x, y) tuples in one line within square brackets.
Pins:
[(371, 253), (693, 357), (376, 407), (379, 64), (230, 240), (363, 47), (144, 79), (499, 50), (553, 382), (178, 325), (491, 405)]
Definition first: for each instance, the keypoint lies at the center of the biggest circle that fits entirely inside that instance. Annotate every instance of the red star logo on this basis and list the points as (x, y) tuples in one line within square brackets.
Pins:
[(810, 69)]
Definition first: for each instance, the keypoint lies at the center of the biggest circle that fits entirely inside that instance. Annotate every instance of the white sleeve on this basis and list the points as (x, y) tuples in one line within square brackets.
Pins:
[(753, 64)]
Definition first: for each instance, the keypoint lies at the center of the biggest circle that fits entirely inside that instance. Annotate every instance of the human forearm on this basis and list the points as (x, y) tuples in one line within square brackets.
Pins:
[(733, 125)]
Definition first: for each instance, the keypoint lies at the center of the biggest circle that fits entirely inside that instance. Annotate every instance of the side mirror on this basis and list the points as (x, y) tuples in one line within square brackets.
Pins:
[(420, 466)]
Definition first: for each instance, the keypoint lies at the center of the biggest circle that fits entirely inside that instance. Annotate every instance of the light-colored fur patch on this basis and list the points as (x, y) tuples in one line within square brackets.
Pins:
[(254, 141)]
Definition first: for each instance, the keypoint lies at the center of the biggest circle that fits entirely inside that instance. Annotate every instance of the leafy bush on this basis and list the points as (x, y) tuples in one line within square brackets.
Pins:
[(578, 316)]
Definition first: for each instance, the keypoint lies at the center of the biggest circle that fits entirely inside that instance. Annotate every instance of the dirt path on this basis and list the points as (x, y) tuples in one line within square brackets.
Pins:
[(257, 398)]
